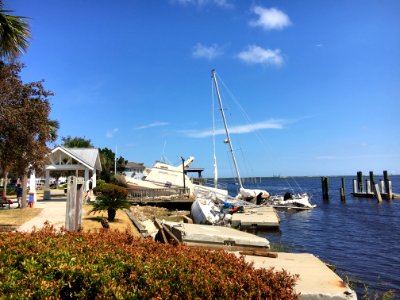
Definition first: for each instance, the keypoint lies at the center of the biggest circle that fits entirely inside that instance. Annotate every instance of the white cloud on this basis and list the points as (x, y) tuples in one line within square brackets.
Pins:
[(270, 124), (154, 124), (202, 51), (270, 18), (111, 133), (219, 3), (257, 55)]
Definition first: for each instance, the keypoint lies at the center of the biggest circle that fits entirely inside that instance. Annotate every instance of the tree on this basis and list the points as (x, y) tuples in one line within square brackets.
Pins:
[(110, 197), (14, 35), (107, 158), (25, 127), (76, 142)]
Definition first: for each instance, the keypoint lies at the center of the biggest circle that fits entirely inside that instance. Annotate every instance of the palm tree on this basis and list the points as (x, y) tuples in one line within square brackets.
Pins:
[(110, 197), (14, 34)]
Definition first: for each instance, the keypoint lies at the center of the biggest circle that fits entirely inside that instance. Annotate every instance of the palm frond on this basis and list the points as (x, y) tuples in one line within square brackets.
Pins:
[(14, 35)]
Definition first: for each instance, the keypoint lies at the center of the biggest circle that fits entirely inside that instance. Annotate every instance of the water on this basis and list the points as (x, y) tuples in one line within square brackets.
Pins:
[(360, 236)]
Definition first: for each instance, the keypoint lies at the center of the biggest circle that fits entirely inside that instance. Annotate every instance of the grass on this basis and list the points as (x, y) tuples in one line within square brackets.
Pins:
[(92, 222), (17, 217)]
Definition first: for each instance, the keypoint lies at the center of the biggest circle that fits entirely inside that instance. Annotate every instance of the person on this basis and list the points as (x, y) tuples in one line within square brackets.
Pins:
[(30, 200), (88, 192), (18, 191)]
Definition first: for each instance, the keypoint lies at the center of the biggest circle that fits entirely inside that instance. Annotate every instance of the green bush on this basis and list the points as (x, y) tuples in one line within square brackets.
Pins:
[(100, 182), (118, 180), (110, 265), (110, 197), (111, 191), (10, 191)]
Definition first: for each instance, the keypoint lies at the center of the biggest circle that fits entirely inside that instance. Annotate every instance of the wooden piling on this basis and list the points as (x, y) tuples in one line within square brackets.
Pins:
[(342, 191), (368, 186), (355, 190), (325, 188), (378, 193), (360, 182), (342, 194), (388, 184), (371, 178), (382, 186), (390, 192)]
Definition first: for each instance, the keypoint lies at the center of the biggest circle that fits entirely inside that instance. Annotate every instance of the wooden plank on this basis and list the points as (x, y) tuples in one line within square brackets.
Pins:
[(259, 253), (161, 228)]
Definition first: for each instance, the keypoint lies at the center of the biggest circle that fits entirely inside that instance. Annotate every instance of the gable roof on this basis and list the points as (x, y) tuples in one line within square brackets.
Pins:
[(133, 165), (89, 157)]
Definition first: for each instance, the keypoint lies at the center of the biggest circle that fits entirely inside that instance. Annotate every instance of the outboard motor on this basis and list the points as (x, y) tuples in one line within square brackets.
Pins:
[(287, 196)]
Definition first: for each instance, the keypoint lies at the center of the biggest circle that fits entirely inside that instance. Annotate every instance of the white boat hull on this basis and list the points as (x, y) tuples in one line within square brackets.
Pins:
[(297, 201), (204, 211)]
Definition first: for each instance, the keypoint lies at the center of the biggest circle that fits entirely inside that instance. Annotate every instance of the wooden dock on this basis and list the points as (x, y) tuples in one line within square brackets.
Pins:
[(256, 218)]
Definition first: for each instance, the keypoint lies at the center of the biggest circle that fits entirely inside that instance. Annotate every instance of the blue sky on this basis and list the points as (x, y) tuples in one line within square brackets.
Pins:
[(309, 88)]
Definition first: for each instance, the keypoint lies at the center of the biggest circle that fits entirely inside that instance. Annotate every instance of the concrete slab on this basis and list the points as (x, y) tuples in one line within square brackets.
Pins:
[(316, 280), (208, 235), (260, 217)]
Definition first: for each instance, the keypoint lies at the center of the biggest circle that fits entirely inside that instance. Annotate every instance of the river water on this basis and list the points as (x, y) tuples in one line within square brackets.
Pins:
[(360, 236)]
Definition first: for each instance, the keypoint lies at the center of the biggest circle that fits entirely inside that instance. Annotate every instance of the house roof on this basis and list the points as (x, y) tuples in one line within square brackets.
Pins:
[(87, 156), (133, 165)]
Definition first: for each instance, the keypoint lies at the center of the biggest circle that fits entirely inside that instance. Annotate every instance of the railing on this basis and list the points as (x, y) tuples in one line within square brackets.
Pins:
[(168, 194)]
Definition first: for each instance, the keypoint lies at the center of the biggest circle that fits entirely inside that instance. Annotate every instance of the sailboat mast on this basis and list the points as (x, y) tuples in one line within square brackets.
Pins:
[(226, 127)]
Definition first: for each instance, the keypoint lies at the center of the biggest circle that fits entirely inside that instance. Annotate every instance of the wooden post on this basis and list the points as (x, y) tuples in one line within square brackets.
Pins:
[(388, 186), (355, 190), (360, 182), (325, 188), (372, 180), (368, 186), (342, 194), (378, 193), (342, 191), (382, 186)]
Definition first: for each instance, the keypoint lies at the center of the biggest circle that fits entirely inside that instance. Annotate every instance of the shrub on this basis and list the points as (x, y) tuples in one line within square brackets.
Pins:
[(10, 191), (113, 265), (119, 180), (110, 197), (100, 182)]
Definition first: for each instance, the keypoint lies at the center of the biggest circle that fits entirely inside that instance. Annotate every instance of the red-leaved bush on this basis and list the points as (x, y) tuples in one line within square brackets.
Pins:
[(50, 264)]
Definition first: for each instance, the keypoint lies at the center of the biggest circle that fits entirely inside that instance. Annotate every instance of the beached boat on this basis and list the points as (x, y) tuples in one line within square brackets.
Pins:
[(244, 194), (216, 208), (164, 175), (208, 208), (300, 201)]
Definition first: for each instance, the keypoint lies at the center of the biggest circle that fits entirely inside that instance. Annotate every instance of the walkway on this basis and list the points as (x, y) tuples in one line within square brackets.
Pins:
[(53, 211)]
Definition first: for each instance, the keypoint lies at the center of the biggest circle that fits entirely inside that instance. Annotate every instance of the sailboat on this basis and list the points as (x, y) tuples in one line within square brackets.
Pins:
[(211, 209), (253, 195)]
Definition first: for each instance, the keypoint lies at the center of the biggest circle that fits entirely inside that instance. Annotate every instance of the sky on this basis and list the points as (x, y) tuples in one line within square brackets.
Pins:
[(308, 87)]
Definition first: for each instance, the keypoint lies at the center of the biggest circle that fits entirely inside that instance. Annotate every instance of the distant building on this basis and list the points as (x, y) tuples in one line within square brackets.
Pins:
[(132, 169)]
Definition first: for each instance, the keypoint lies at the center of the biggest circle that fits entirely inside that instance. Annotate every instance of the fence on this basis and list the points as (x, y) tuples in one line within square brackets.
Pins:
[(148, 195)]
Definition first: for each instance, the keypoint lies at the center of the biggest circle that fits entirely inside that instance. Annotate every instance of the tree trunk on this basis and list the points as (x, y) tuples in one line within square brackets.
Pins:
[(111, 214), (24, 190), (4, 194)]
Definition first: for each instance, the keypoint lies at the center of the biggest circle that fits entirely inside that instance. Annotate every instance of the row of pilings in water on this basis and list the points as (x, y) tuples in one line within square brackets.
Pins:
[(371, 189)]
